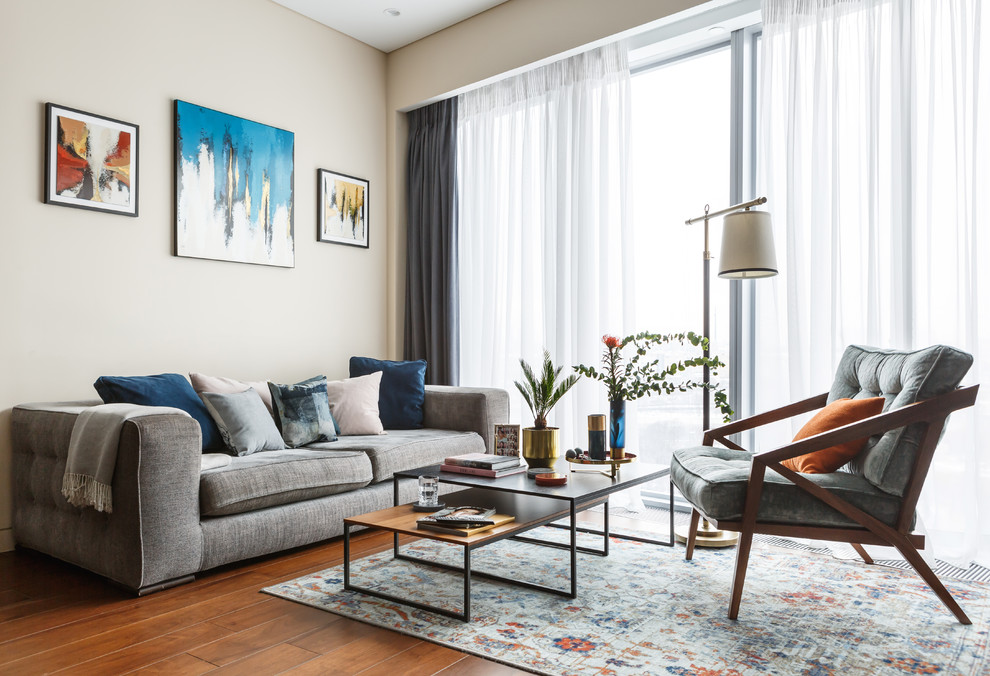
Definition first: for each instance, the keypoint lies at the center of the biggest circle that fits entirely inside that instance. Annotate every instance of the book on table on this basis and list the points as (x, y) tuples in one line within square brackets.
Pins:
[(430, 523), (483, 460), (490, 473)]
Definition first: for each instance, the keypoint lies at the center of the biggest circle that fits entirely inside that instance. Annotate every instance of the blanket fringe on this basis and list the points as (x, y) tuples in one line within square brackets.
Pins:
[(85, 491)]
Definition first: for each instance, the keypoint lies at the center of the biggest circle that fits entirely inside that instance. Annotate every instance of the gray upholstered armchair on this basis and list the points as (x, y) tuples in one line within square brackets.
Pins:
[(869, 501)]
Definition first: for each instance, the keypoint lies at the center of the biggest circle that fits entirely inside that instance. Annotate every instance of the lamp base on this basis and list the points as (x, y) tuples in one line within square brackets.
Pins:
[(706, 535)]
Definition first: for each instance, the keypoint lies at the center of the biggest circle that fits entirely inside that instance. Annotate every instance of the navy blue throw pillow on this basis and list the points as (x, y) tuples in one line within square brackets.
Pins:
[(167, 389), (402, 392)]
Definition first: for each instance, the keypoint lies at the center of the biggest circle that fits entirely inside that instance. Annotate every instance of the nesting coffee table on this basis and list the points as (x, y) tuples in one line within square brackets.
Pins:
[(532, 505)]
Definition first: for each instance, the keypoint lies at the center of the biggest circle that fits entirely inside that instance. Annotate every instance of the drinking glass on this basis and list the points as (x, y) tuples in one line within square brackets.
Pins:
[(429, 490)]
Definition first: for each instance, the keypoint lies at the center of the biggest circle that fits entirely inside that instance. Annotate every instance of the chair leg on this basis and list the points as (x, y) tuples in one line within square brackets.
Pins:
[(928, 575), (862, 552), (742, 561), (692, 534)]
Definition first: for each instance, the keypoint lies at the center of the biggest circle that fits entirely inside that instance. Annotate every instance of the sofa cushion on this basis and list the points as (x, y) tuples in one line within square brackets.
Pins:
[(401, 450), (354, 404), (204, 383), (302, 412), (245, 423), (402, 392), (839, 413), (166, 389), (715, 479), (272, 478)]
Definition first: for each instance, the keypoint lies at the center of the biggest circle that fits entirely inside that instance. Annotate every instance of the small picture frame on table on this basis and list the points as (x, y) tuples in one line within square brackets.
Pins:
[(507, 439)]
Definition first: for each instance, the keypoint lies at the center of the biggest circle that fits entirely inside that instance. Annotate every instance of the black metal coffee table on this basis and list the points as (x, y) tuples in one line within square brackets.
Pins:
[(534, 506)]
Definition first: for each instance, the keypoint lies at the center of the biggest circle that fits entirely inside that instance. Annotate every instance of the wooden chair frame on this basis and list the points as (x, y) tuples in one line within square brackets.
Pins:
[(931, 413)]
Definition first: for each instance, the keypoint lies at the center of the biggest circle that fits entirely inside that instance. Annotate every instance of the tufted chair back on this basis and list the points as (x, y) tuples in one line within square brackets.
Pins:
[(901, 378)]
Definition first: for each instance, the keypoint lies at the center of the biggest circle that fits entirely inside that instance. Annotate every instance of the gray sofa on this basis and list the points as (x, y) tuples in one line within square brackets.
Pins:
[(171, 519)]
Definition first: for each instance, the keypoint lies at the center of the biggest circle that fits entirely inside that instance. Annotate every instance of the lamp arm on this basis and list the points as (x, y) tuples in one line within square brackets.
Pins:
[(728, 210)]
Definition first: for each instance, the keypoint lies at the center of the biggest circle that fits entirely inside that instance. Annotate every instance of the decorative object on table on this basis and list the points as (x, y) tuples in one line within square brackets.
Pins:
[(343, 209), (747, 253), (596, 436), (91, 161), (628, 379), (541, 444), (534, 472), (429, 493), (233, 188), (852, 622), (507, 439), (440, 526), (582, 462), (550, 479)]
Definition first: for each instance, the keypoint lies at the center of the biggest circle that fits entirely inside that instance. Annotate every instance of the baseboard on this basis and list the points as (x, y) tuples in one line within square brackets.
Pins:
[(6, 539)]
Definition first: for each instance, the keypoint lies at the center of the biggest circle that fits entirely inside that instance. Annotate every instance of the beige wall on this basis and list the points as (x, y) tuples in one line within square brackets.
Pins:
[(86, 293), (506, 37)]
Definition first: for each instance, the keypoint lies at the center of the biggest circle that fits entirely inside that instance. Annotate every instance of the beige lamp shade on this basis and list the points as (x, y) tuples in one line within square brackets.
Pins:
[(747, 246)]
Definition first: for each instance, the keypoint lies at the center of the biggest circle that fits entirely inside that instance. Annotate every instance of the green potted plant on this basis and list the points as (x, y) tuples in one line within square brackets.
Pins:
[(540, 443), (637, 376)]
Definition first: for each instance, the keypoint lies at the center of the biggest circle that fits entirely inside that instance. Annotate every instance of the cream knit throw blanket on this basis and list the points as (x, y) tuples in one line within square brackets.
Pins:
[(92, 452)]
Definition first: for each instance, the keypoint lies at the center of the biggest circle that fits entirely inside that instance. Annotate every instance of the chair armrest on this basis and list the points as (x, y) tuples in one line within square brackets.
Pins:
[(466, 409), (784, 412), (928, 411)]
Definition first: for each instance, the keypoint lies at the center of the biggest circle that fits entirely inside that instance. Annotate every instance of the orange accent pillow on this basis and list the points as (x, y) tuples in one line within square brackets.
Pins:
[(840, 412)]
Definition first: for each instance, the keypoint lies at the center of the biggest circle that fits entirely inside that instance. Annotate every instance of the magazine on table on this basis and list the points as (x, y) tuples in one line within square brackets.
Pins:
[(466, 515)]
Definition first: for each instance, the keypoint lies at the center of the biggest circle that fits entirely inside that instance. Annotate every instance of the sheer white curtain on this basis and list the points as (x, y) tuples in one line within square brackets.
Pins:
[(545, 247), (874, 132)]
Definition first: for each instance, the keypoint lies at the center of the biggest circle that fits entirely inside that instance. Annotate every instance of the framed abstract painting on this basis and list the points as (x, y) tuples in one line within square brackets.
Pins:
[(233, 188), (343, 209), (91, 161)]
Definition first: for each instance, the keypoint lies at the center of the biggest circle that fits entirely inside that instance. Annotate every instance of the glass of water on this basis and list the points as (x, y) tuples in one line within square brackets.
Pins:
[(429, 490)]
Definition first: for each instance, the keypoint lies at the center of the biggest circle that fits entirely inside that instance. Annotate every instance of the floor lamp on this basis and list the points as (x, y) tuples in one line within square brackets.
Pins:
[(747, 253)]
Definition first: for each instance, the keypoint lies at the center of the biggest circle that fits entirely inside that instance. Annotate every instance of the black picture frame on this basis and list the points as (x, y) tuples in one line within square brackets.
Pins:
[(73, 139), (333, 207)]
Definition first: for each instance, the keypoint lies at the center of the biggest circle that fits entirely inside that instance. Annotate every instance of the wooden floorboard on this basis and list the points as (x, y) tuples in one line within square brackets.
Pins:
[(56, 618)]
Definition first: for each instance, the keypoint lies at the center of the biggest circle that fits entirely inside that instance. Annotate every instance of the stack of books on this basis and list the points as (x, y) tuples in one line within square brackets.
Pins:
[(463, 520), (484, 464)]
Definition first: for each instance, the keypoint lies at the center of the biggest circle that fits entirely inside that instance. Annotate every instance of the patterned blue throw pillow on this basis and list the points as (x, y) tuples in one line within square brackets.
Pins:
[(402, 392), (302, 412)]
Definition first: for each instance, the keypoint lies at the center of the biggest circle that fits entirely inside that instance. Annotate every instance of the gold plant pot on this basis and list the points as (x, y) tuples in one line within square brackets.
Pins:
[(541, 448)]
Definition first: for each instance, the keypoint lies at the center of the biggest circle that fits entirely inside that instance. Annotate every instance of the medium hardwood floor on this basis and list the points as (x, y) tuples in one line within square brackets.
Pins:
[(56, 618)]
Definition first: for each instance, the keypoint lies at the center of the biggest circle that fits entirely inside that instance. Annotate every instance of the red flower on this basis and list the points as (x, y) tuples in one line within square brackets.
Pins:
[(611, 342)]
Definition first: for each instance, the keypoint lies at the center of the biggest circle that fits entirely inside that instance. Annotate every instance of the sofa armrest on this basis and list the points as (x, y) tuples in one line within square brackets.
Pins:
[(466, 409), (152, 536)]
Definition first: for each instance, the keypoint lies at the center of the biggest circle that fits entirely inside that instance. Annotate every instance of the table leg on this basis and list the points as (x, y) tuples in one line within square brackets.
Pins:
[(347, 556), (574, 551), (467, 584)]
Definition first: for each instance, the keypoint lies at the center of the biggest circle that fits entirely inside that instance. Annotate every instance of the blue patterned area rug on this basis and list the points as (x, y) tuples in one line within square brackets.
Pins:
[(645, 610)]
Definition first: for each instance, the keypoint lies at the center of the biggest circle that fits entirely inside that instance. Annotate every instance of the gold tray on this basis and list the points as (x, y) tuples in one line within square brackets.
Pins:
[(612, 464)]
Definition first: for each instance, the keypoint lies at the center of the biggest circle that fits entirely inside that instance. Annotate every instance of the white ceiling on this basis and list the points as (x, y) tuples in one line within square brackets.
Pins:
[(365, 20)]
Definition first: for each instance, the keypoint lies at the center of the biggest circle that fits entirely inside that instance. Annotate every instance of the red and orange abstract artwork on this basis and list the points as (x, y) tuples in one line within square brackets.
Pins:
[(91, 162)]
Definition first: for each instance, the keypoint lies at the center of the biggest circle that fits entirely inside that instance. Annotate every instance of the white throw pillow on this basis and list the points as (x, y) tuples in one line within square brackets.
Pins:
[(354, 404)]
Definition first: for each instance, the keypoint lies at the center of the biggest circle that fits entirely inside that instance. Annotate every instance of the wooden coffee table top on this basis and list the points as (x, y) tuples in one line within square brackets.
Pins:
[(529, 512)]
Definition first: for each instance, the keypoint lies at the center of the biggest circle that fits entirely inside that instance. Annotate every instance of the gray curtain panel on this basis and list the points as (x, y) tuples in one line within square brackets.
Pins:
[(431, 331)]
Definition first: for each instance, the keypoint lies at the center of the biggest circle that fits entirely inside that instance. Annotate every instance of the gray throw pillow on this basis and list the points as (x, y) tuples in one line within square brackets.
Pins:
[(244, 421), (302, 412)]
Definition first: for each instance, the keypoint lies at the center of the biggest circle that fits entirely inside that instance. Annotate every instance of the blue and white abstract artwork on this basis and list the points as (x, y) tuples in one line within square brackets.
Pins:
[(233, 188)]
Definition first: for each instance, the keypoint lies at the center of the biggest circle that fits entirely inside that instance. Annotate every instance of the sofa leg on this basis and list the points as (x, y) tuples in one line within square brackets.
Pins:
[(161, 586)]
